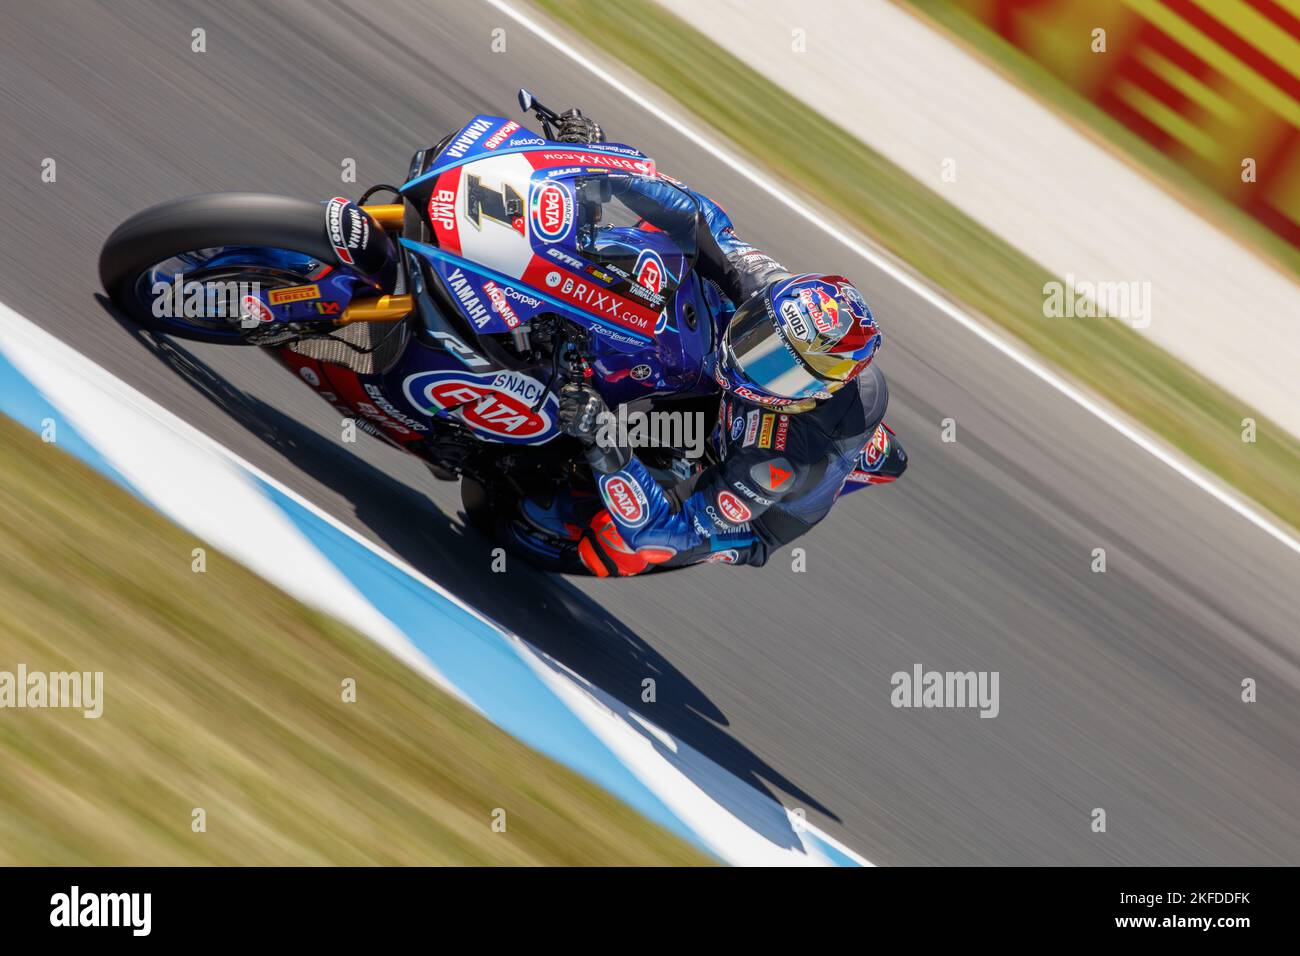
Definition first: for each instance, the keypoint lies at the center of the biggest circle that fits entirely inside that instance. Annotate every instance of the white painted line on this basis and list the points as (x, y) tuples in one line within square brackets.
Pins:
[(1191, 472), (671, 770)]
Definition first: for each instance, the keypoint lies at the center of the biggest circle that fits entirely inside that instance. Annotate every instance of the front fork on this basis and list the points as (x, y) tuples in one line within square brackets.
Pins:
[(383, 308)]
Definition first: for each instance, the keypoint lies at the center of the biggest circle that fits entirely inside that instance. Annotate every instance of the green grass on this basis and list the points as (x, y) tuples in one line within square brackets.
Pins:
[(944, 246), (222, 693)]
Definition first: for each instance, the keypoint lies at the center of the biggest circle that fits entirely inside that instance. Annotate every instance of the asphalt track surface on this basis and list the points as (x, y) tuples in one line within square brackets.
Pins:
[(1118, 691)]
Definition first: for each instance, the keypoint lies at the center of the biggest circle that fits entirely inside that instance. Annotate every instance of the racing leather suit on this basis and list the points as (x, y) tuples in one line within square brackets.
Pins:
[(773, 475)]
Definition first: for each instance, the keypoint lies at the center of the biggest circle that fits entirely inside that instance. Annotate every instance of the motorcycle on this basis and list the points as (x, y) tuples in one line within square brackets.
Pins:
[(446, 322)]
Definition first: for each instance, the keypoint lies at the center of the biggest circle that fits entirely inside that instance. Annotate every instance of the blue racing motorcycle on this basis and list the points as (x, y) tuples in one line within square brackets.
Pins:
[(446, 322)]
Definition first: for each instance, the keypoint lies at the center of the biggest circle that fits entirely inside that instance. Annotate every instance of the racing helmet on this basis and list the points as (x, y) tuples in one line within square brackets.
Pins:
[(798, 340)]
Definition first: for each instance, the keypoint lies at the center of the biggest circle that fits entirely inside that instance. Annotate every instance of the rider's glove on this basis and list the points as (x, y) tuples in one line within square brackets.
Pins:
[(580, 410), (583, 415), (605, 554), (576, 128)]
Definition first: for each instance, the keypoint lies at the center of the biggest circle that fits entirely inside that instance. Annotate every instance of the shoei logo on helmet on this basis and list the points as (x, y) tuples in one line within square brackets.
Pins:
[(625, 497), (795, 321), (732, 508), (552, 211)]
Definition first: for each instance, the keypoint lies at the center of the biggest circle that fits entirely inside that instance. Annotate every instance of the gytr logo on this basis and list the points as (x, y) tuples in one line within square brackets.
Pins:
[(946, 689)]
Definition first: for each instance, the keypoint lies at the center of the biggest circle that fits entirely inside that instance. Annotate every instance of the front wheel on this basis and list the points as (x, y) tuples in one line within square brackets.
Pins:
[(483, 509), (222, 241)]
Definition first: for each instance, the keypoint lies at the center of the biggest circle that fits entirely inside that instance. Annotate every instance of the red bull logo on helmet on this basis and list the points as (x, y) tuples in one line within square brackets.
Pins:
[(842, 323), (822, 309)]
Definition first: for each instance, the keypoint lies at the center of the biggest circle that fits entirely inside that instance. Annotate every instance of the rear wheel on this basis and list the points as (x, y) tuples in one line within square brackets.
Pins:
[(221, 238)]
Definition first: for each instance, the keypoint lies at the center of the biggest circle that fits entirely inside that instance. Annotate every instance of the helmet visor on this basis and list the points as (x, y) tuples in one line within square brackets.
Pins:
[(757, 350)]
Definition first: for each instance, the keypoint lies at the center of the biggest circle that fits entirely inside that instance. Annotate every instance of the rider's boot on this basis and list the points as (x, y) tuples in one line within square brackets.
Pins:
[(564, 517)]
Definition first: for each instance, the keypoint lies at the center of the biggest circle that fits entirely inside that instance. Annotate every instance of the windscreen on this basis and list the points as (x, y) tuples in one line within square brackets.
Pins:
[(639, 226)]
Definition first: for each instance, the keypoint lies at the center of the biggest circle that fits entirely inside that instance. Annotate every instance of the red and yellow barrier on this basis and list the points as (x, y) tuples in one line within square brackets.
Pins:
[(1214, 84)]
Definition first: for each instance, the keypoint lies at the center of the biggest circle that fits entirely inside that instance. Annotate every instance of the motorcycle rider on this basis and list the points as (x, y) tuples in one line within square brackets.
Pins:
[(802, 408)]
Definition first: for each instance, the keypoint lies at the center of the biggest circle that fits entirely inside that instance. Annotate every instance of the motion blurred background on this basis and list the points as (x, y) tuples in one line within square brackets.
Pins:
[(1120, 690)]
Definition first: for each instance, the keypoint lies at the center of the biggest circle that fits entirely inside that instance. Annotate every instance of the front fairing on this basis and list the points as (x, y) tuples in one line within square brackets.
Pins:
[(627, 367), (550, 217), (516, 226)]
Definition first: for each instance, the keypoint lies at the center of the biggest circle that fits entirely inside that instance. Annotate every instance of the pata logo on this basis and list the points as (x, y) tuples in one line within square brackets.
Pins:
[(626, 498)]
